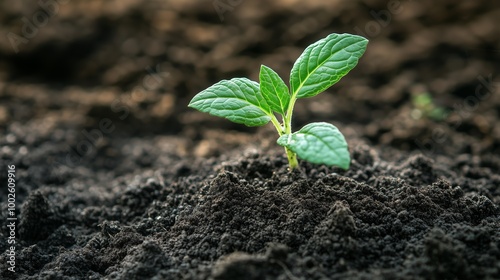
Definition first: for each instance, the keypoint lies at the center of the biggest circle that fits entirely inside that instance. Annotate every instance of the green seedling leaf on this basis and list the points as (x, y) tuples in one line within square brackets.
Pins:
[(320, 143), (320, 66), (324, 63), (238, 100), (274, 90)]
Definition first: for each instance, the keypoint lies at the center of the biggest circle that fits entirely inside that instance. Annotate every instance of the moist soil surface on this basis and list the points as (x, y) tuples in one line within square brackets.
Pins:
[(117, 179)]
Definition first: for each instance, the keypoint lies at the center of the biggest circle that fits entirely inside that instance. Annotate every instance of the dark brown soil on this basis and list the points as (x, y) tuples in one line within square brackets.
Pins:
[(117, 179)]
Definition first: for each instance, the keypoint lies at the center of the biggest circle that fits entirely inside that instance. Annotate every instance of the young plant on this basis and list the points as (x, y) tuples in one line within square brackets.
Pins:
[(426, 107), (321, 65)]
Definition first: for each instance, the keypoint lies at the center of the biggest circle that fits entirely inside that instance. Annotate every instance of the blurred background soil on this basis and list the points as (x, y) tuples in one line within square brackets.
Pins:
[(119, 75), (138, 63)]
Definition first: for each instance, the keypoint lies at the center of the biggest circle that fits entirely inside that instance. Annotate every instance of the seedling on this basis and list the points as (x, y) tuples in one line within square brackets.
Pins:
[(321, 65), (424, 106)]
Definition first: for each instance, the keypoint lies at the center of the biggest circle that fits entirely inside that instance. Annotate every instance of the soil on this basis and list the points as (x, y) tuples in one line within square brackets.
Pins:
[(117, 179)]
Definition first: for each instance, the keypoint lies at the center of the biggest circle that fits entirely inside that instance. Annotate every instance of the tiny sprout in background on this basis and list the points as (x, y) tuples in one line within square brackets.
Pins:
[(424, 106)]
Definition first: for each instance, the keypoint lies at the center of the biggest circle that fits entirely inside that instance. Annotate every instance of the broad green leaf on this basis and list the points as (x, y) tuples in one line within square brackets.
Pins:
[(325, 62), (238, 100), (320, 143), (274, 90)]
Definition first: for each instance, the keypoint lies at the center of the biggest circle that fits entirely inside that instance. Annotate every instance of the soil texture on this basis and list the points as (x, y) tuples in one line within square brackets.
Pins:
[(117, 179)]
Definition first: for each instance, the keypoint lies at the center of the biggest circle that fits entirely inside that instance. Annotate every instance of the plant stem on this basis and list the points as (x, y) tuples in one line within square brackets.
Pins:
[(277, 125), (292, 159), (287, 122)]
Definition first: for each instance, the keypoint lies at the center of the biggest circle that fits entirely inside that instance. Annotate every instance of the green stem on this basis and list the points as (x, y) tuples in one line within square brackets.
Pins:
[(287, 120), (288, 117), (292, 159), (277, 125)]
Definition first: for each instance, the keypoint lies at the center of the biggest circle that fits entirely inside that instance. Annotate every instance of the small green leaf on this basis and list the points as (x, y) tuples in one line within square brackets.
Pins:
[(238, 100), (320, 143), (324, 63), (274, 90)]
